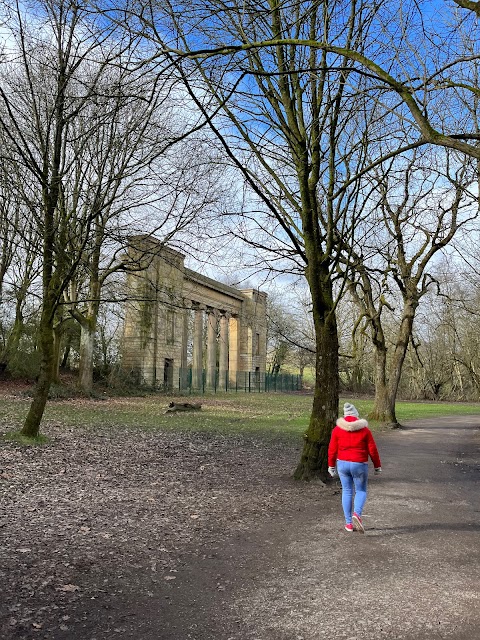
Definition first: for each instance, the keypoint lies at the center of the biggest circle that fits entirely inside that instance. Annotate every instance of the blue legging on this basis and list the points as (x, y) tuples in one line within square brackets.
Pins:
[(353, 474)]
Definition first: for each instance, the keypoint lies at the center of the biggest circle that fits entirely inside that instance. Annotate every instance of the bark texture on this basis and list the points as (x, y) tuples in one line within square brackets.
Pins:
[(313, 462)]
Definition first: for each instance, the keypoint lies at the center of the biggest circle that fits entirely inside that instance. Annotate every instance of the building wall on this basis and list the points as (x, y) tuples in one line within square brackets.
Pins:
[(161, 294)]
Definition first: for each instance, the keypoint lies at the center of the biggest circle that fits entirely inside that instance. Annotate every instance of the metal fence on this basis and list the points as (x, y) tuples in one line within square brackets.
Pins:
[(195, 382), (241, 381)]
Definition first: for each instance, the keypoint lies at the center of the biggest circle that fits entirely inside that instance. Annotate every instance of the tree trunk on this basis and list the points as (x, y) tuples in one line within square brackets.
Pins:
[(66, 353), (87, 340), (398, 357), (313, 462), (31, 426), (384, 406), (51, 284), (13, 341), (57, 344), (386, 389)]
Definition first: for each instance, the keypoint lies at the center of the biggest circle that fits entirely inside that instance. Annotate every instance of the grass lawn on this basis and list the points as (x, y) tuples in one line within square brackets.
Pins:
[(269, 414)]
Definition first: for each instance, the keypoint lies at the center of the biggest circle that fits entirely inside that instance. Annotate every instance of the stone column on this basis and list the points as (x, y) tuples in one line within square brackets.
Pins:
[(223, 355), (233, 350), (184, 350), (211, 348), (197, 366)]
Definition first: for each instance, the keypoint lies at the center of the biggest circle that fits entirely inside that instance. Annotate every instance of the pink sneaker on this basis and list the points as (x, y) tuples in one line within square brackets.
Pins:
[(349, 528), (357, 523)]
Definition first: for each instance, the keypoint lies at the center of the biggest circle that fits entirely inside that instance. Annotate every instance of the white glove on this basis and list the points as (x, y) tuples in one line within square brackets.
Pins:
[(378, 471), (332, 471)]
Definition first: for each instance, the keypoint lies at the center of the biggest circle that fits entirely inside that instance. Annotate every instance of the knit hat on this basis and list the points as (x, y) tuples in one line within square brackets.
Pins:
[(350, 410)]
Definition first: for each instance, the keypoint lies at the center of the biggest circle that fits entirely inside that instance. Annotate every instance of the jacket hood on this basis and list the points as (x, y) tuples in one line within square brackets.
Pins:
[(351, 425)]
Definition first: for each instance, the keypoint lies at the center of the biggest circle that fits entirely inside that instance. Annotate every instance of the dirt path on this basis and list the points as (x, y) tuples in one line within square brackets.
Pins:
[(414, 575), (288, 570)]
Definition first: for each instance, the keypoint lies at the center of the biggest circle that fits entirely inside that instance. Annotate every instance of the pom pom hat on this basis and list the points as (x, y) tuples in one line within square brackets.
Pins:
[(350, 410)]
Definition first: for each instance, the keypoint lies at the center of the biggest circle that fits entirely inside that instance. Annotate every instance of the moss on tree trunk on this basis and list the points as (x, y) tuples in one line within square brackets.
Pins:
[(31, 427), (313, 462)]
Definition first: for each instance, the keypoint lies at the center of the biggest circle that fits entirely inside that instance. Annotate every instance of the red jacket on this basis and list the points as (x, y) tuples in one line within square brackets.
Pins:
[(352, 441)]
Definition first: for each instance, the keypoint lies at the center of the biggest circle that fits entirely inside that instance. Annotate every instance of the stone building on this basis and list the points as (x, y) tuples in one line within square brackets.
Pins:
[(183, 329)]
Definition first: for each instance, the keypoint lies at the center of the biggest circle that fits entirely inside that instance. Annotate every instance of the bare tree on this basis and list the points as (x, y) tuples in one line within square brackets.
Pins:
[(273, 56), (9, 214), (417, 213), (293, 120), (126, 181), (24, 272), (19, 260), (412, 56), (59, 63), (280, 334)]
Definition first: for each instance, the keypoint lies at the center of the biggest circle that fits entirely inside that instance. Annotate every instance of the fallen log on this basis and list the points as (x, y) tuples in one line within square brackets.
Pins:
[(183, 406)]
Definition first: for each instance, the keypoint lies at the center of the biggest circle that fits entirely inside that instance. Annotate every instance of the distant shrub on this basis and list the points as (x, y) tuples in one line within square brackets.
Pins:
[(24, 365)]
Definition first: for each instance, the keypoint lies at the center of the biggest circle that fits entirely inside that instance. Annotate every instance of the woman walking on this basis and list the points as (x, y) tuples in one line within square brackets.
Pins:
[(350, 446)]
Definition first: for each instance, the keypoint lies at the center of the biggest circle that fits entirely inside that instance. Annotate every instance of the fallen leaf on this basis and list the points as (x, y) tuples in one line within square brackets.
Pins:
[(68, 588)]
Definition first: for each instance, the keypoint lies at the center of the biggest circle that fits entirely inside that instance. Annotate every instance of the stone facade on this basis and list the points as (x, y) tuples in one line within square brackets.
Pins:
[(170, 308)]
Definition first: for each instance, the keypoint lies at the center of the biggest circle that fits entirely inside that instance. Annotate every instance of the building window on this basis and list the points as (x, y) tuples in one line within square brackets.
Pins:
[(257, 344)]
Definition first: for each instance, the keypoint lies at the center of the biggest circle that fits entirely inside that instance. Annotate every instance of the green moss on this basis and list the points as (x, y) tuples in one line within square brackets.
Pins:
[(18, 438)]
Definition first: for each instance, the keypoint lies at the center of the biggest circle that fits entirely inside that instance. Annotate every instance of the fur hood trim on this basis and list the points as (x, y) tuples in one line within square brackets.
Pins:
[(349, 425)]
